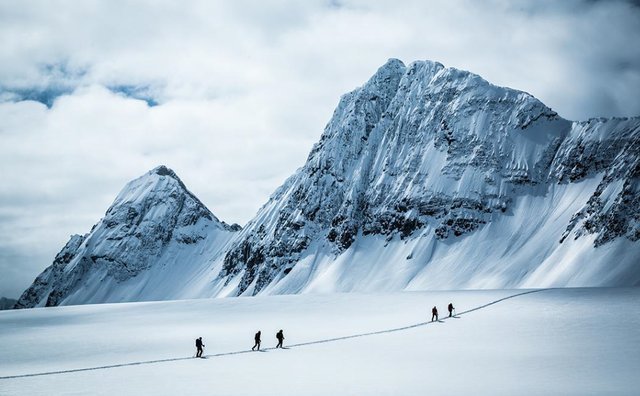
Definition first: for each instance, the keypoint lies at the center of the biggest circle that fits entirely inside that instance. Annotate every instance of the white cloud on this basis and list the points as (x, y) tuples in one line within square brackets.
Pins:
[(245, 88)]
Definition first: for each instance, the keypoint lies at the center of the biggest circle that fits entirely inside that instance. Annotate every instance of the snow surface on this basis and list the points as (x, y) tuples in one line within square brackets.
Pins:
[(555, 342)]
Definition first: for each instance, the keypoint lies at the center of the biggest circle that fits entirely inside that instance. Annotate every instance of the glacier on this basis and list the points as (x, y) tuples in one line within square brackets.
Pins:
[(425, 178)]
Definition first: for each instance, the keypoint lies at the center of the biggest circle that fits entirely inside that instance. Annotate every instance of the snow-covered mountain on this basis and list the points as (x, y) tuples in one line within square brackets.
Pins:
[(431, 177), (425, 177), (152, 243)]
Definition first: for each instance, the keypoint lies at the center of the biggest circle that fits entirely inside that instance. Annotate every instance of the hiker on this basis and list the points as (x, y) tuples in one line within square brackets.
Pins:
[(434, 314), (257, 339), (199, 346), (450, 308), (280, 338)]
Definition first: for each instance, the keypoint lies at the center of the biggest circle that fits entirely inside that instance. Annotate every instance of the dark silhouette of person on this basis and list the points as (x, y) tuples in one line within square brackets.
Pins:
[(257, 339), (280, 337), (434, 314), (450, 308), (199, 346)]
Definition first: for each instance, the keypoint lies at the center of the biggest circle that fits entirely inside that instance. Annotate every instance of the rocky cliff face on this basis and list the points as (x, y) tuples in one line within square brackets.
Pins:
[(610, 148), (436, 152), (153, 220)]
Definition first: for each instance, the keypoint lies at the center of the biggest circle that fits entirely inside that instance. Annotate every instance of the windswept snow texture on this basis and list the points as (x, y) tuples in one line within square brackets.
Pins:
[(152, 244), (430, 177), (552, 342)]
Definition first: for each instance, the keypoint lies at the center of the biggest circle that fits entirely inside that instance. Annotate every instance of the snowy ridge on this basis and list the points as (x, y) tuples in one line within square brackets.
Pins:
[(152, 242), (426, 177)]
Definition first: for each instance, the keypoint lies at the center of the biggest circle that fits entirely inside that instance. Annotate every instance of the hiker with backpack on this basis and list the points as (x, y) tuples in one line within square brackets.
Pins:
[(434, 314), (280, 337), (450, 308), (199, 346), (257, 340)]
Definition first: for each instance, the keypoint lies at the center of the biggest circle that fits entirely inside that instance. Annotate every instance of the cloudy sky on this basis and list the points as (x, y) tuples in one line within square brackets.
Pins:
[(232, 94)]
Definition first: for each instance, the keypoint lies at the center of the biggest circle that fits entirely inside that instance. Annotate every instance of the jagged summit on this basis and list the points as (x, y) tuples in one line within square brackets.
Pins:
[(393, 63), (157, 184), (393, 67), (162, 170), (157, 178)]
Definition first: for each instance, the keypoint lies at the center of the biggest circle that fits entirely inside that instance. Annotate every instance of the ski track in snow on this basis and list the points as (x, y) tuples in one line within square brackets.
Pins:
[(273, 348)]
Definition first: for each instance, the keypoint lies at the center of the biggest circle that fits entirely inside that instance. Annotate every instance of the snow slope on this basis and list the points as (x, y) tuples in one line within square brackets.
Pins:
[(154, 241), (555, 342)]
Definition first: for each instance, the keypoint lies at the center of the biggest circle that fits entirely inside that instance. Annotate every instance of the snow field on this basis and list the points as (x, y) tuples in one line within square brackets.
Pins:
[(558, 341)]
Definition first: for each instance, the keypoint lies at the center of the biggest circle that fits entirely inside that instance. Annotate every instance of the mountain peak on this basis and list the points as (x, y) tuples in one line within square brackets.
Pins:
[(162, 170), (393, 63), (156, 182), (393, 69), (433, 155), (152, 228)]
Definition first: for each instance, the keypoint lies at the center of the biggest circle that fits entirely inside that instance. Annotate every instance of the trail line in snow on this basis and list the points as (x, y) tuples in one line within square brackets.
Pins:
[(271, 348), (413, 325)]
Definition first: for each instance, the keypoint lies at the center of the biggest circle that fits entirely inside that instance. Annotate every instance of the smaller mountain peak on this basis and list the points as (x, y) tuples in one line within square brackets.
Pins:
[(162, 170), (156, 181), (393, 63), (392, 66), (387, 77)]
